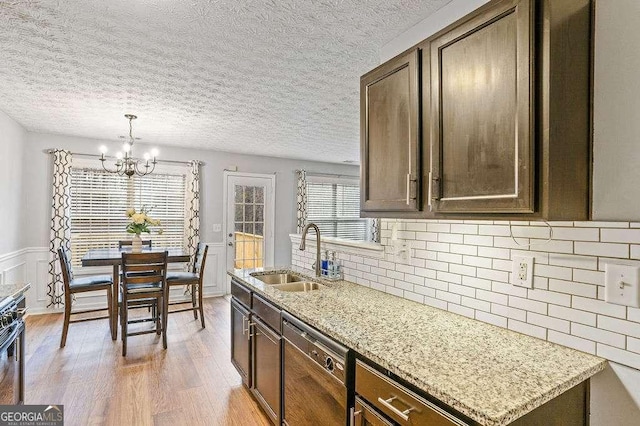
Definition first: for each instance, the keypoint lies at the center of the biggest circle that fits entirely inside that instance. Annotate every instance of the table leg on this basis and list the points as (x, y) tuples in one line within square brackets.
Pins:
[(114, 294)]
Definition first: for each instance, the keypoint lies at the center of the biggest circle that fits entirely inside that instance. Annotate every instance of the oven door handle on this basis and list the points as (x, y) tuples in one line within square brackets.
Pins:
[(17, 329)]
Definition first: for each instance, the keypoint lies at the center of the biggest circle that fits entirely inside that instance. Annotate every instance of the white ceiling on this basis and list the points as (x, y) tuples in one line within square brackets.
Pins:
[(278, 78)]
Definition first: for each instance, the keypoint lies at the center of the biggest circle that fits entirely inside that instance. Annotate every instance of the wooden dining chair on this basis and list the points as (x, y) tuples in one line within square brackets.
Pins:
[(193, 279), (81, 285), (128, 243), (144, 277)]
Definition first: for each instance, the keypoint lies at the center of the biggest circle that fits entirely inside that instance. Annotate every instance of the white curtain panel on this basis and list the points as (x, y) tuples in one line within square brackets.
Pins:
[(192, 198), (301, 199), (60, 234)]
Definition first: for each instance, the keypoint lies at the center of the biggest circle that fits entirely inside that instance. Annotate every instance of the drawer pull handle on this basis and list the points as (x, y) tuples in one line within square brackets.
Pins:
[(404, 415)]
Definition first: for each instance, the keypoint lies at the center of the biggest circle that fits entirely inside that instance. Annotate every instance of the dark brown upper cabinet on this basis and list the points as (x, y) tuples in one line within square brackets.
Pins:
[(390, 135), (505, 116), (482, 106)]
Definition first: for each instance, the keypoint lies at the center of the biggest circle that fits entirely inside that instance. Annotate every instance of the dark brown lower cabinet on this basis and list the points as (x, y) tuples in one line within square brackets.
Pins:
[(241, 341), (267, 367)]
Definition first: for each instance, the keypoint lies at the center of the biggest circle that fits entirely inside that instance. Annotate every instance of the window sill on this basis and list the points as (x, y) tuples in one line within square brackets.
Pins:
[(348, 246)]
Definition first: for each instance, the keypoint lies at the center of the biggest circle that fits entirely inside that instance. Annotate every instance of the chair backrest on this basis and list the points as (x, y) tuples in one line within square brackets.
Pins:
[(128, 243), (65, 266), (144, 268), (200, 259)]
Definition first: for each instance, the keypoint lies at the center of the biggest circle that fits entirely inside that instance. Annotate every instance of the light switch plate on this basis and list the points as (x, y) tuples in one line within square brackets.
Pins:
[(522, 272), (622, 284)]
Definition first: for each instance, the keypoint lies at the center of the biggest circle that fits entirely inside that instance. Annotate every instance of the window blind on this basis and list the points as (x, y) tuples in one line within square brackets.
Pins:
[(335, 208), (99, 201)]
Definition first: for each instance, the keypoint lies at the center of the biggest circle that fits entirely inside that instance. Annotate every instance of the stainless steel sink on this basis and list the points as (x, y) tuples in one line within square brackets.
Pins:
[(274, 279), (299, 287)]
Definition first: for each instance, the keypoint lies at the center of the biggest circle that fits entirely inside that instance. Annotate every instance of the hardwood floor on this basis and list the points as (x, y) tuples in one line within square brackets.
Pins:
[(190, 383)]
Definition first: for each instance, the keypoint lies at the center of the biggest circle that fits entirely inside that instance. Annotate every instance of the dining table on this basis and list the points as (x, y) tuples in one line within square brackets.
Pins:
[(113, 257)]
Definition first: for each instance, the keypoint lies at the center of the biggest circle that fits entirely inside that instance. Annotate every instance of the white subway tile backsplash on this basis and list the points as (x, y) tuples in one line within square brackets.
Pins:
[(572, 261), (478, 240), (602, 249), (491, 319), (578, 343), (598, 306), (508, 312), (551, 323), (570, 287), (590, 277), (550, 297), (449, 297), (495, 230), (464, 266), (601, 336), (466, 228), (450, 238), (477, 304), (617, 355), (528, 305), (627, 328), (461, 310), (524, 328), (633, 344), (574, 315), (549, 271), (620, 235), (482, 262), (576, 234)]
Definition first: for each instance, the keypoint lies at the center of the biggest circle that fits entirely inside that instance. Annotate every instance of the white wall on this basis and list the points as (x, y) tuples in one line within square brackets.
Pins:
[(37, 185), (617, 111), (12, 137)]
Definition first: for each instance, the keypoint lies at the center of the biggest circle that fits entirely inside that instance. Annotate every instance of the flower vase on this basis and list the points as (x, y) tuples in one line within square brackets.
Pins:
[(136, 244)]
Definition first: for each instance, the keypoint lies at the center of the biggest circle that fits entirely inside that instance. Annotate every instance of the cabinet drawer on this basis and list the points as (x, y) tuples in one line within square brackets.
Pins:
[(367, 416), (267, 312), (241, 293), (398, 402)]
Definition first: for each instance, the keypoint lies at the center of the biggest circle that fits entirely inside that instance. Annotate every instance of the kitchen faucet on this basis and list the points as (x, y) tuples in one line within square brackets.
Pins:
[(304, 242)]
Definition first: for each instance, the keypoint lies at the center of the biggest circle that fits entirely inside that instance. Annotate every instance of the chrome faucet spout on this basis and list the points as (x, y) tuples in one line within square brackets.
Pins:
[(303, 244)]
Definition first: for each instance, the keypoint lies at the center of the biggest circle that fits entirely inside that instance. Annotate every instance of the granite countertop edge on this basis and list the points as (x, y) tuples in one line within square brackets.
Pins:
[(484, 418)]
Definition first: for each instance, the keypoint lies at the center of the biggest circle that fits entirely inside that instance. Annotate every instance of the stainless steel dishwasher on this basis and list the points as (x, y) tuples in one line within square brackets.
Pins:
[(315, 371)]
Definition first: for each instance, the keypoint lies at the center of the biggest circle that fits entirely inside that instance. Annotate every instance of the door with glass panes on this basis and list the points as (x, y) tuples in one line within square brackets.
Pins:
[(249, 220)]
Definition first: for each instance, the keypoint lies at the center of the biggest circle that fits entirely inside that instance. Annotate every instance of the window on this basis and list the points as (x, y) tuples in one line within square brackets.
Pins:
[(334, 205), (99, 201)]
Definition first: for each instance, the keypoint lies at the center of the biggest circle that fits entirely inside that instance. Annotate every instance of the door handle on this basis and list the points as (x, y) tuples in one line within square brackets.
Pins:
[(244, 328), (409, 197), (230, 244)]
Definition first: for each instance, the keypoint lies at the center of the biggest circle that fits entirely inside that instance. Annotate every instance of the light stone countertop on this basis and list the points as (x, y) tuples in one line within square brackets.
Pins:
[(490, 374)]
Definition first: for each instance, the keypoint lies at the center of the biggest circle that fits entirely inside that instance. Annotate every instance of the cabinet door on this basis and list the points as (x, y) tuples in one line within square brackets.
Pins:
[(267, 369), (390, 133), (241, 341), (482, 106)]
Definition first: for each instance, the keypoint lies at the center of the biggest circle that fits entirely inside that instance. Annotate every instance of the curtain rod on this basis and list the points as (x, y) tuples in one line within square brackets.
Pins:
[(80, 154), (331, 175)]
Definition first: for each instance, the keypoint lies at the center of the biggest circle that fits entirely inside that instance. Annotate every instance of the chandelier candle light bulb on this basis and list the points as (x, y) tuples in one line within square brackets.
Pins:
[(127, 164)]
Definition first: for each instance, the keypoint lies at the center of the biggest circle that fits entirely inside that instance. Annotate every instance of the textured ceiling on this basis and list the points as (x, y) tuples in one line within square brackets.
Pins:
[(277, 78)]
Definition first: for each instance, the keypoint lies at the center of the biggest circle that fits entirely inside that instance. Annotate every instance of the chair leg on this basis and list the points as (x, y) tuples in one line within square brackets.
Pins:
[(165, 311), (111, 313), (67, 317), (123, 321), (193, 301), (200, 307), (156, 314)]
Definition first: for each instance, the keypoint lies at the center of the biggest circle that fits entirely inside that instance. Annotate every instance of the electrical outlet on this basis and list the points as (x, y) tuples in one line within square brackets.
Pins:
[(522, 271), (217, 227), (401, 251), (621, 285)]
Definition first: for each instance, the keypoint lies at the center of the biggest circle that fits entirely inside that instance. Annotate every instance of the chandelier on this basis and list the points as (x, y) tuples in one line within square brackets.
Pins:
[(126, 164)]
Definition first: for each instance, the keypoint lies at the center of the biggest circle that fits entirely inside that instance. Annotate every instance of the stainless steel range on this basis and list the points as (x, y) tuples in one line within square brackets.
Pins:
[(12, 343)]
